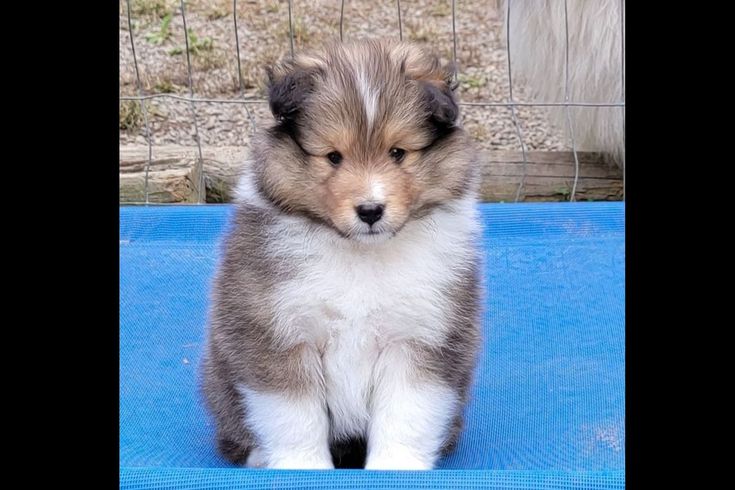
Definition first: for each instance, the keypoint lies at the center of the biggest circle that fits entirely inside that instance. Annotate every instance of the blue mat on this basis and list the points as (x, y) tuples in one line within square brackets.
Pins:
[(548, 408)]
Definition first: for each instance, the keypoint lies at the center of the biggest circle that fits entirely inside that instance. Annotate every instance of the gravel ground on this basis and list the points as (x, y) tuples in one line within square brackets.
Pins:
[(264, 37)]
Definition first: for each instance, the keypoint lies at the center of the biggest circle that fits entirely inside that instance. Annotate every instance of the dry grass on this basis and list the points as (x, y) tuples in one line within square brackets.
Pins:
[(131, 117)]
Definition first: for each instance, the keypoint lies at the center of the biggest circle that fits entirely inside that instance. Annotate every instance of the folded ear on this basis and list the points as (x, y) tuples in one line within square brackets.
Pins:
[(288, 88), (435, 81), (440, 103)]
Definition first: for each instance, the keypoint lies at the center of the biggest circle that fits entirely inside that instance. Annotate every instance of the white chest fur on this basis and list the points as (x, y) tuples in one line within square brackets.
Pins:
[(351, 300)]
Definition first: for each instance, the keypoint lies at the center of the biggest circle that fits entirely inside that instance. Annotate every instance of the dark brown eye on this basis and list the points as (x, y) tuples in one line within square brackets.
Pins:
[(335, 158), (397, 154)]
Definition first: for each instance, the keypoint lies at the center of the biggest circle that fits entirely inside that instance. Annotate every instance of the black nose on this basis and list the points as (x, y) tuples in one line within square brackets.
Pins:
[(370, 213)]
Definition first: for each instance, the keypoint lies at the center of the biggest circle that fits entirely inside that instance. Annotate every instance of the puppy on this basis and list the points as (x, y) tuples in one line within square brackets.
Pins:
[(537, 42), (345, 311)]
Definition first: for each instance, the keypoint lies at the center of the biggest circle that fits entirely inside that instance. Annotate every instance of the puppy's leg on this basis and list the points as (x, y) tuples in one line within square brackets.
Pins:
[(411, 415), (291, 425)]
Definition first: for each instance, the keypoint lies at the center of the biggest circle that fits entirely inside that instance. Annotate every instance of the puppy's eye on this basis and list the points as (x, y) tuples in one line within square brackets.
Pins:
[(335, 158), (397, 154)]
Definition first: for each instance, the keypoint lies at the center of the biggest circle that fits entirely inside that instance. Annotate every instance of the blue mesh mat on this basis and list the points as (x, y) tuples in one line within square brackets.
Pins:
[(548, 407)]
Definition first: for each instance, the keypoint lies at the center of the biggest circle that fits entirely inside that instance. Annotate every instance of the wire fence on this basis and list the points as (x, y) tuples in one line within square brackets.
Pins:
[(246, 101)]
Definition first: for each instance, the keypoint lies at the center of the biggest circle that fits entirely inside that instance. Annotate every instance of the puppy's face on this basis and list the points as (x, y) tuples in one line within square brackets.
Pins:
[(365, 140)]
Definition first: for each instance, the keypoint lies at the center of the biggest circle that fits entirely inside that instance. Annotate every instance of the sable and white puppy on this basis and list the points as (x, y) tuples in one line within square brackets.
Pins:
[(345, 310)]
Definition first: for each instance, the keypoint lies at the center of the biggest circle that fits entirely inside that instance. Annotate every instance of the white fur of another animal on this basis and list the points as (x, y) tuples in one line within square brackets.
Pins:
[(537, 50)]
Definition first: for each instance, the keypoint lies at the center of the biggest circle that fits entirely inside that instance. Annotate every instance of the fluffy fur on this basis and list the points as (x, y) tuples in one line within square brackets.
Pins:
[(537, 48), (330, 336)]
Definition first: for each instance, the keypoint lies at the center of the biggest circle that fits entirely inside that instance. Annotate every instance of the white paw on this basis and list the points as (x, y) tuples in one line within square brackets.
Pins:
[(256, 459), (301, 462), (397, 459)]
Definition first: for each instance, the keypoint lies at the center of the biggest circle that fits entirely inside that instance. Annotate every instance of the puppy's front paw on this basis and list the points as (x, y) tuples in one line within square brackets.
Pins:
[(256, 459), (397, 459), (300, 462)]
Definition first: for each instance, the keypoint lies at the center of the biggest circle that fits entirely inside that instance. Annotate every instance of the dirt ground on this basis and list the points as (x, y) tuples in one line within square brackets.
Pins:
[(263, 29)]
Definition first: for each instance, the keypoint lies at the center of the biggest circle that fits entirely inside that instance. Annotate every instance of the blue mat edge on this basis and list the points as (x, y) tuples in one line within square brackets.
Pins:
[(155, 478)]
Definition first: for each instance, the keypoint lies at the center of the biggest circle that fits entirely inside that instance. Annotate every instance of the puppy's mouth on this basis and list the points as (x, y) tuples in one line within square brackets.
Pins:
[(372, 236), (368, 233)]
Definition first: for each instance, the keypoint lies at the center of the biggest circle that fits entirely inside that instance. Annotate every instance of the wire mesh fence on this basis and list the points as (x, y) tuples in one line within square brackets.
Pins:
[(251, 102)]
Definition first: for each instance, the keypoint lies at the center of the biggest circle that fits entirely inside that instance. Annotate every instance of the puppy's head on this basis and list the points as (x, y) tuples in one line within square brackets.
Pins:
[(366, 138)]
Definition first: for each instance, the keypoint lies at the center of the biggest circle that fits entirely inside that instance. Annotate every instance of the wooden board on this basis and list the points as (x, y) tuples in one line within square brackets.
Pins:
[(549, 175)]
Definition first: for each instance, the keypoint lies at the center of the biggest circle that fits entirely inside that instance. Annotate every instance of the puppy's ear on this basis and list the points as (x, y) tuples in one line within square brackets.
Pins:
[(288, 87), (436, 83), (439, 95), (440, 103)]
